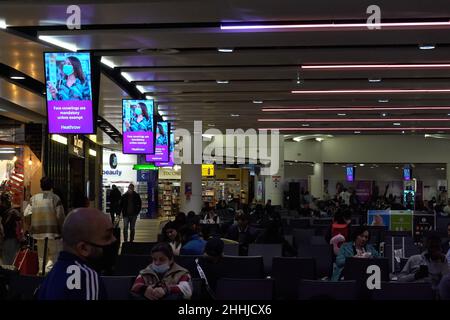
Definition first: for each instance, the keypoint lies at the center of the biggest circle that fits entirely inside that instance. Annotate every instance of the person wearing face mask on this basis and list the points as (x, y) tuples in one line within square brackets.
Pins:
[(163, 279), (358, 247), (73, 85), (141, 121), (87, 234)]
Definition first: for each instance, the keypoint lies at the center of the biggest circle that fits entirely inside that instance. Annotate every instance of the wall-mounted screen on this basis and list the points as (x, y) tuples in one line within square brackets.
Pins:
[(350, 173), (171, 162), (407, 173), (70, 107), (162, 143), (138, 126)]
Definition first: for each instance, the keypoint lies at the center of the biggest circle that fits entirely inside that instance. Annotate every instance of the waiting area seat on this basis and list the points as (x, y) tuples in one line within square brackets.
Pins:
[(267, 251), (248, 289), (327, 290), (130, 265), (23, 287), (144, 248), (118, 287), (403, 291)]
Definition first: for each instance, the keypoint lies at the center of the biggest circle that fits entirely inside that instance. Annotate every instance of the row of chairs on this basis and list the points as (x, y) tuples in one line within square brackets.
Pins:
[(118, 288)]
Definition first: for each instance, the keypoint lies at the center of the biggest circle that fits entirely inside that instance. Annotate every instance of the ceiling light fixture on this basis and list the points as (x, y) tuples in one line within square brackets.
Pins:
[(59, 43), (377, 66), (257, 101), (234, 115), (17, 78), (370, 91), (341, 114), (319, 139), (312, 109), (225, 50), (396, 124), (427, 47), (334, 26), (373, 80), (222, 81), (141, 89), (3, 24), (127, 76), (383, 100), (107, 62), (354, 120)]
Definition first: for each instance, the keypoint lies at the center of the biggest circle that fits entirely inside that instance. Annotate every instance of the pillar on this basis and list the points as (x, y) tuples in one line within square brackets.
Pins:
[(316, 181), (191, 182), (274, 184)]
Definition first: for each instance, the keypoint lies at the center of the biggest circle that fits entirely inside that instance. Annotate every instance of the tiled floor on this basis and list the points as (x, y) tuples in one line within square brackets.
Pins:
[(146, 229)]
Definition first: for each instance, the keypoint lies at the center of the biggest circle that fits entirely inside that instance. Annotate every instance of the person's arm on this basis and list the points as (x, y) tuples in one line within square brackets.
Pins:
[(406, 275), (139, 286), (139, 202), (60, 216), (183, 287), (342, 255)]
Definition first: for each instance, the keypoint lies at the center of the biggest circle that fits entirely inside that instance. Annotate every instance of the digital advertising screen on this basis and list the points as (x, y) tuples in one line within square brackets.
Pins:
[(401, 220), (70, 107), (380, 218), (162, 143), (138, 126), (407, 173), (350, 173), (171, 162)]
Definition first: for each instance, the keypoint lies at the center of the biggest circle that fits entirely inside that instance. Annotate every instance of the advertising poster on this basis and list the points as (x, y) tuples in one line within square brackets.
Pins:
[(401, 220), (379, 218), (138, 127), (171, 162), (363, 190), (162, 143), (69, 93), (350, 173), (422, 223)]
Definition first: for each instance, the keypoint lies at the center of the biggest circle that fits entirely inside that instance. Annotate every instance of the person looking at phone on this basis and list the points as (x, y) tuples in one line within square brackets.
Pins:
[(73, 85), (163, 279), (358, 247), (430, 266)]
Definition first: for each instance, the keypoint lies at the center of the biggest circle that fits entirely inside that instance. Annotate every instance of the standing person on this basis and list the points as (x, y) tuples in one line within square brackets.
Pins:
[(114, 200), (131, 205), (87, 234), (11, 221), (46, 213)]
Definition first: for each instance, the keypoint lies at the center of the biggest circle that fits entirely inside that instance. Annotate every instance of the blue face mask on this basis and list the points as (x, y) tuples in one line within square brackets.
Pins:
[(138, 111), (162, 268), (68, 69)]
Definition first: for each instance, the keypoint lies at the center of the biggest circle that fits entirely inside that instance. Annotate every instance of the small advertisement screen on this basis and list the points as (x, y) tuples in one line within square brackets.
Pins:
[(162, 143), (68, 79), (171, 162), (138, 126), (401, 220), (380, 218), (350, 171), (406, 173)]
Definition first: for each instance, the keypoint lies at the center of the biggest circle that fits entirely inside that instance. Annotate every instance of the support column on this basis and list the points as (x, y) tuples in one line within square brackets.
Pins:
[(191, 174), (316, 181), (448, 180), (274, 184)]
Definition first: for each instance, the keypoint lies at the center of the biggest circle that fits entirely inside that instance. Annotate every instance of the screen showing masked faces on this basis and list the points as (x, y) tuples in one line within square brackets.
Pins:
[(138, 126), (162, 143)]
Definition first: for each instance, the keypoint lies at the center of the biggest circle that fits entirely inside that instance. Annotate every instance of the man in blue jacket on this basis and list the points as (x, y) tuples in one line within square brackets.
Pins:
[(86, 233)]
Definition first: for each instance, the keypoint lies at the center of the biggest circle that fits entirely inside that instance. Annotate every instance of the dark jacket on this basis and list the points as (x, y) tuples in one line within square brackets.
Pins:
[(137, 204), (242, 236), (115, 197)]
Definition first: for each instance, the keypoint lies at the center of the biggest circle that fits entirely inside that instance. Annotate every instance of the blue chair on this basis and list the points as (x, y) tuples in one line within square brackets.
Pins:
[(118, 287)]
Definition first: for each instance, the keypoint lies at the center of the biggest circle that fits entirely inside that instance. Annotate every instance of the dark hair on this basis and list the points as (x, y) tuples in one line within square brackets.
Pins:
[(214, 247), (78, 70), (5, 199), (243, 217), (190, 214), (144, 110), (46, 184), (359, 230), (161, 129), (164, 248)]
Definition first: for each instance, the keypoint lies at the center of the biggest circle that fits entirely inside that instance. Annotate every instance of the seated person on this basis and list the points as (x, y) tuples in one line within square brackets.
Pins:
[(272, 234), (172, 237), (210, 216), (357, 247), (163, 279), (193, 245), (242, 233), (430, 266)]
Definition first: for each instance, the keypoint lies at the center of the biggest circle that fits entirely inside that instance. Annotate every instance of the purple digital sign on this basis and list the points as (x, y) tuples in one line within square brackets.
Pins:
[(350, 170), (69, 93), (171, 162), (138, 127), (162, 143)]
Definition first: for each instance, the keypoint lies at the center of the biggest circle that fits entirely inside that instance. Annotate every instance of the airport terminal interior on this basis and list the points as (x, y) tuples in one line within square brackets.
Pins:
[(225, 150)]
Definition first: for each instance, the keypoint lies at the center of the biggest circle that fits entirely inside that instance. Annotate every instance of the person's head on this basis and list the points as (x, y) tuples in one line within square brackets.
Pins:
[(243, 220), (180, 219), (433, 246), (88, 234), (161, 129), (339, 217), (170, 231), (114, 187), (73, 66), (378, 220), (190, 214), (269, 202), (162, 257), (130, 188), (144, 110), (360, 236), (214, 248), (46, 184)]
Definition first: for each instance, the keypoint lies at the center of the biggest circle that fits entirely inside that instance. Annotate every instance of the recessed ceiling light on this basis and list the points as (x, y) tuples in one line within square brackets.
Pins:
[(403, 131), (3, 24), (17, 78), (127, 76), (383, 114), (225, 50), (222, 81), (141, 89), (149, 97), (257, 101), (298, 81), (396, 168), (305, 125), (211, 125), (341, 114), (361, 164), (319, 139), (383, 100), (427, 47), (375, 80), (59, 43), (396, 123), (234, 115), (357, 132)]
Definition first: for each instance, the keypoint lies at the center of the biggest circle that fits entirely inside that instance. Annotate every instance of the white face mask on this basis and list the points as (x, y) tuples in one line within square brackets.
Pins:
[(162, 268)]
